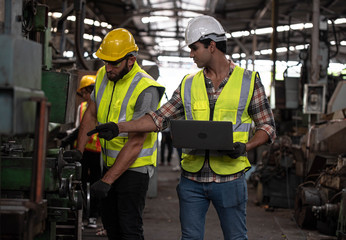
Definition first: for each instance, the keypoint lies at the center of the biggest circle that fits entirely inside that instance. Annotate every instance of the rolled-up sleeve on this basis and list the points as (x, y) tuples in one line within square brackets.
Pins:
[(260, 111), (173, 109)]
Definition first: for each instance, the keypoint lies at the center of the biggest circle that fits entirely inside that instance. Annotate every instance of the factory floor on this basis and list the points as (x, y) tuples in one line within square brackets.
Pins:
[(161, 216)]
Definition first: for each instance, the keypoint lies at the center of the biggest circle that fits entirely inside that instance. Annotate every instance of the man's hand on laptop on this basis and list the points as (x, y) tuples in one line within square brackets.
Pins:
[(239, 149)]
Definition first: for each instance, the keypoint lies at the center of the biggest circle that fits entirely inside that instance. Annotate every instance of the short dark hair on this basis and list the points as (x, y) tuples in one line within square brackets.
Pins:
[(90, 88), (222, 45)]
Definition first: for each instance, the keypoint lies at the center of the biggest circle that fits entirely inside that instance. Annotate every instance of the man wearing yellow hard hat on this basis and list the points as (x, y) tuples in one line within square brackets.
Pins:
[(123, 92), (91, 167)]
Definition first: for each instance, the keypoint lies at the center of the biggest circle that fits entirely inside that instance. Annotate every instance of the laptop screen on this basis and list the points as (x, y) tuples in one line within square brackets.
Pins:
[(202, 135)]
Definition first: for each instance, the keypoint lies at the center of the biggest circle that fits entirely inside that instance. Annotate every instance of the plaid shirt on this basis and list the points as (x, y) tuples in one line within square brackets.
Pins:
[(259, 110)]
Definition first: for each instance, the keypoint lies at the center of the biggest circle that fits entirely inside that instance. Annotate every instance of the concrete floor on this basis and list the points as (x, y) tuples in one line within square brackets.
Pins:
[(161, 216)]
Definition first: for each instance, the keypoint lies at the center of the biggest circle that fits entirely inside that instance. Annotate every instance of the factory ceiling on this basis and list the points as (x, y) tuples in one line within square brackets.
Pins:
[(158, 25)]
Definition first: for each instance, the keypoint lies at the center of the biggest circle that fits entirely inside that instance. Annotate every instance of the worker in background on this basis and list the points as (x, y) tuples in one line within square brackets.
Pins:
[(166, 141), (123, 92), (221, 91), (91, 165)]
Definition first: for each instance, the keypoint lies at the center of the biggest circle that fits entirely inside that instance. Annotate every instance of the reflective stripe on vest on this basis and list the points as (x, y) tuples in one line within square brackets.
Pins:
[(119, 108), (231, 105)]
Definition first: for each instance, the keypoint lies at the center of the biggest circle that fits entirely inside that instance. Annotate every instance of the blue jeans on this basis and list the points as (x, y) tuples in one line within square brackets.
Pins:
[(229, 200)]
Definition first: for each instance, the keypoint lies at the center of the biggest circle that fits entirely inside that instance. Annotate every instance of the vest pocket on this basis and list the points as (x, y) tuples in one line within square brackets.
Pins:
[(200, 110), (227, 115)]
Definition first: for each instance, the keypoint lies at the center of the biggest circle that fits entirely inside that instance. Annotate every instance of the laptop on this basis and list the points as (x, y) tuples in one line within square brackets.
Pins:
[(202, 135)]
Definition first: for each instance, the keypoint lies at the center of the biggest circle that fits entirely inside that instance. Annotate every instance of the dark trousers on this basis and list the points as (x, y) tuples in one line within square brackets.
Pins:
[(122, 209), (91, 172), (166, 141)]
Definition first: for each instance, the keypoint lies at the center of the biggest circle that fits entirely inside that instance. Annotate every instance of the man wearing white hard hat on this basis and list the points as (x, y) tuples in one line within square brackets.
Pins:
[(221, 91)]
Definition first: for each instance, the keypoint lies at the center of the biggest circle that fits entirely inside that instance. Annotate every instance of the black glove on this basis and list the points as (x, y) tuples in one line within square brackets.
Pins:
[(72, 156), (69, 139), (239, 149), (99, 189), (107, 131)]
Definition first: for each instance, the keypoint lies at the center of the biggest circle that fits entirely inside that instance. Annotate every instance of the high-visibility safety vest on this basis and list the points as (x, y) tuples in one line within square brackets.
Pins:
[(93, 145), (231, 105), (115, 102)]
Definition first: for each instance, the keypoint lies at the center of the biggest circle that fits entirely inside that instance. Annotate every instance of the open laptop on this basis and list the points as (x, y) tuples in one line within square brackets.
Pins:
[(202, 135)]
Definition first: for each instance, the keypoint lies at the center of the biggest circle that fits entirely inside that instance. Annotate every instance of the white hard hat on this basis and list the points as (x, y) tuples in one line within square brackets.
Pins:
[(204, 27)]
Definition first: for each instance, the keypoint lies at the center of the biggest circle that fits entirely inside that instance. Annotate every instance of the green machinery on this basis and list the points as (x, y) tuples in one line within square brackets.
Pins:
[(41, 196)]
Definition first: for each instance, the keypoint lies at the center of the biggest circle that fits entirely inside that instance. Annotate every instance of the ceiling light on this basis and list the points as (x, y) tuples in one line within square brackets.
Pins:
[(154, 19), (340, 21), (240, 34), (264, 30)]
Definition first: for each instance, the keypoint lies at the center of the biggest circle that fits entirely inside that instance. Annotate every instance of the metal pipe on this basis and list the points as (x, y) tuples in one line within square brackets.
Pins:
[(315, 40), (63, 27), (275, 10), (79, 35), (37, 179)]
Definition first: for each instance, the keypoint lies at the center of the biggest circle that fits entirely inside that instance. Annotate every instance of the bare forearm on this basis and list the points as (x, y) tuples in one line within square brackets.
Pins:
[(143, 124), (260, 138), (88, 123), (126, 157)]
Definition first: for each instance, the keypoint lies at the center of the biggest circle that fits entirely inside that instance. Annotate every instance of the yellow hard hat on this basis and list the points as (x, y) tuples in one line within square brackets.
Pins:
[(87, 80), (116, 44)]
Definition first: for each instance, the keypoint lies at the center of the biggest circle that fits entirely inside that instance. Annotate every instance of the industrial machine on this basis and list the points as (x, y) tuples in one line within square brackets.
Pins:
[(41, 193), (305, 168)]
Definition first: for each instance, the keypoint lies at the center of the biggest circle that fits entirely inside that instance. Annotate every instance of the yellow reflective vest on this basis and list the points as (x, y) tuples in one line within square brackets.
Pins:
[(93, 145), (115, 102), (231, 105)]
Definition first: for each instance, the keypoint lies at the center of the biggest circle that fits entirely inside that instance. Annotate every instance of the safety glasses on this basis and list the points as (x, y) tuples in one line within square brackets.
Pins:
[(115, 63)]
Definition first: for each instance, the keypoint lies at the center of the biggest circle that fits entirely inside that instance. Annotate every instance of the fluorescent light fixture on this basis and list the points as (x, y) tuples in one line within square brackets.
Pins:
[(148, 63), (174, 59), (308, 25), (339, 21), (169, 43), (298, 26), (56, 14), (154, 19), (240, 34), (104, 24), (281, 49), (300, 47), (283, 28), (89, 21), (264, 30), (68, 54), (235, 55), (91, 37), (266, 51), (71, 18)]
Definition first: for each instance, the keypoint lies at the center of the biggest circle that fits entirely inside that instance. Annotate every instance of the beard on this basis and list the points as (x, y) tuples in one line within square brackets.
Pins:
[(115, 77)]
